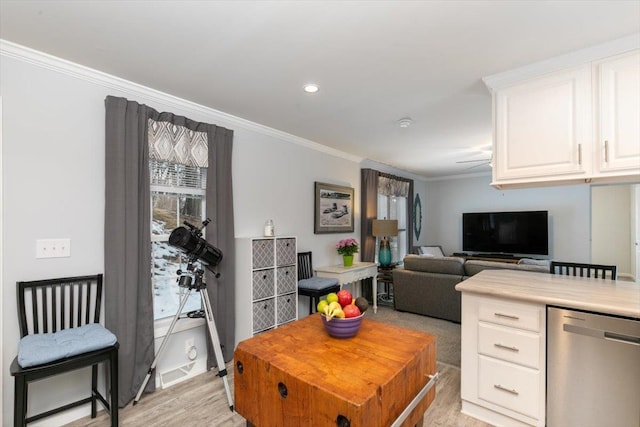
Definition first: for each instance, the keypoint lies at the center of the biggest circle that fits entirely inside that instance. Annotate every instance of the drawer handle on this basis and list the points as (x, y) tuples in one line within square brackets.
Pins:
[(507, 316), (506, 347), (508, 390)]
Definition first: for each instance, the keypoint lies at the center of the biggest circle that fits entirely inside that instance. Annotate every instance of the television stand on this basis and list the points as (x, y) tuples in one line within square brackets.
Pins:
[(502, 256)]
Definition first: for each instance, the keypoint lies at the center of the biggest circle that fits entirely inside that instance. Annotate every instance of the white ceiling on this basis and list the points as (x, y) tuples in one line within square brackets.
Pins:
[(375, 61)]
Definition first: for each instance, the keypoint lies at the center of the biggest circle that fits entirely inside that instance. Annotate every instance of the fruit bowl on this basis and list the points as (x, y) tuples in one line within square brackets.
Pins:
[(342, 328)]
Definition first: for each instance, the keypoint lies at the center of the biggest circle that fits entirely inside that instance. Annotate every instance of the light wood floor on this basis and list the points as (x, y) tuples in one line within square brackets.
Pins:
[(202, 401)]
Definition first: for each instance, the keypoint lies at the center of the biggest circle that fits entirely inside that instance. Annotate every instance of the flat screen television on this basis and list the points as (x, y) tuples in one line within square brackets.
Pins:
[(521, 232)]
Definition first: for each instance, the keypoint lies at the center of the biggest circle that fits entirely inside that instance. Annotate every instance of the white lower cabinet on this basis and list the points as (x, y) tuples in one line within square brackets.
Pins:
[(266, 284), (503, 361)]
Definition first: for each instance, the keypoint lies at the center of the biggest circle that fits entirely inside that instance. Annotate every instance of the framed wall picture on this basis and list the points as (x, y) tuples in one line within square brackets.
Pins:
[(333, 209)]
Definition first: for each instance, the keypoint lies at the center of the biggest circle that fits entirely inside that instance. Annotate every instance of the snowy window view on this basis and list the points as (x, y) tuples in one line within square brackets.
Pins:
[(171, 206)]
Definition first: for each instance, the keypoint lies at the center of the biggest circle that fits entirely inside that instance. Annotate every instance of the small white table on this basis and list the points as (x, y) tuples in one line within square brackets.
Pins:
[(358, 271)]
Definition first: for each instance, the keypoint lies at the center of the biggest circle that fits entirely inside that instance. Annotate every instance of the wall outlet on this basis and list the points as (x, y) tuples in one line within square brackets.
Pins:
[(53, 248), (189, 344), (190, 349)]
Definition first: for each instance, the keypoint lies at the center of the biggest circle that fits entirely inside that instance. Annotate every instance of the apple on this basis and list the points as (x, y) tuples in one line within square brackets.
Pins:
[(344, 297), (351, 310)]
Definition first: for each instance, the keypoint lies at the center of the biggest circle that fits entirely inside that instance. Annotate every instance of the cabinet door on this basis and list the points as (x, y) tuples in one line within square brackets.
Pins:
[(618, 142), (543, 127)]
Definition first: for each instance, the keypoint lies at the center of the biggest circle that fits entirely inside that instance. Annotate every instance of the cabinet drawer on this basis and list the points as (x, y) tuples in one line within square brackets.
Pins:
[(263, 284), (510, 386), (517, 315), (262, 251), (286, 251), (509, 344), (287, 279), (286, 308), (264, 314)]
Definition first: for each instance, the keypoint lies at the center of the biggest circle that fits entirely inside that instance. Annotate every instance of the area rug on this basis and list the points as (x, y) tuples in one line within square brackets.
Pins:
[(447, 333)]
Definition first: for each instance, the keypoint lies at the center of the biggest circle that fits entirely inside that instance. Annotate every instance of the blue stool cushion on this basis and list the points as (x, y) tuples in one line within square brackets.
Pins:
[(37, 349), (317, 283)]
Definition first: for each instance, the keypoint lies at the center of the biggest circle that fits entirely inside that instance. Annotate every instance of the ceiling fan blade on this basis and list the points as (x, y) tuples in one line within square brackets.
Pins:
[(473, 161), (478, 165)]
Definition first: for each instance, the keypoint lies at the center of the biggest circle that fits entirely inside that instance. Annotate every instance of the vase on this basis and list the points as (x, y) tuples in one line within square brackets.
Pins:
[(384, 254), (347, 260)]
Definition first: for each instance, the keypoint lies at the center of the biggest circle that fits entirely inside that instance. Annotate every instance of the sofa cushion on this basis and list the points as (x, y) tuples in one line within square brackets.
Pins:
[(434, 251), (443, 265), (472, 267)]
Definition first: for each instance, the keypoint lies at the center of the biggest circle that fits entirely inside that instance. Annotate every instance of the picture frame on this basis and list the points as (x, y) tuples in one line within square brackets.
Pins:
[(333, 209)]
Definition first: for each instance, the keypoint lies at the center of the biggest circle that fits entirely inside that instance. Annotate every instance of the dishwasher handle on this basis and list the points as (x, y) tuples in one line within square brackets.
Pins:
[(598, 333)]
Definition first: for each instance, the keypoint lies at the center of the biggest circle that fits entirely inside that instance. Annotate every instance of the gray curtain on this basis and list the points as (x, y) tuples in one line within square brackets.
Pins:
[(127, 243), (128, 301), (368, 212), (220, 209)]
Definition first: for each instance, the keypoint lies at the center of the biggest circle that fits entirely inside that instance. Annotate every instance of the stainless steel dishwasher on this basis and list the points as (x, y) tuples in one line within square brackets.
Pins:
[(593, 370)]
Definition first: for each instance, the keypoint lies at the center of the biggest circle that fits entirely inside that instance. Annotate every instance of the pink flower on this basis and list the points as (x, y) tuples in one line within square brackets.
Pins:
[(347, 246)]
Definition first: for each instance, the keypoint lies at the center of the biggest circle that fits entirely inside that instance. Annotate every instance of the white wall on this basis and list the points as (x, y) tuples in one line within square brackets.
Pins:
[(53, 174), (611, 225), (568, 206)]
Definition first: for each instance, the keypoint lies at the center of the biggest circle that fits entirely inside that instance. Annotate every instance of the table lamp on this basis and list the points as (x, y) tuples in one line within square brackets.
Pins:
[(384, 228)]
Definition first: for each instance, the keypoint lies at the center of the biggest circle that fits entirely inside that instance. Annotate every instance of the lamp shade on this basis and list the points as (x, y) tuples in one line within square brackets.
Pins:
[(385, 227)]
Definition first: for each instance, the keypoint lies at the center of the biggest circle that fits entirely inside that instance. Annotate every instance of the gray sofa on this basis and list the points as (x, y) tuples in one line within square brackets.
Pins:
[(426, 285)]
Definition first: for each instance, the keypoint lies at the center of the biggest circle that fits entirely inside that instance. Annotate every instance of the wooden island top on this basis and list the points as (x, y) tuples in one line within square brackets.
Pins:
[(297, 375)]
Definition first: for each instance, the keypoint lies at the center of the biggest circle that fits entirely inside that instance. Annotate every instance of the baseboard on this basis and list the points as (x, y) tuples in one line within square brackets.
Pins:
[(492, 417)]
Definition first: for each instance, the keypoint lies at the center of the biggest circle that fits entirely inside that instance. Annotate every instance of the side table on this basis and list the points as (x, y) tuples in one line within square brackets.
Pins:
[(385, 275), (345, 275)]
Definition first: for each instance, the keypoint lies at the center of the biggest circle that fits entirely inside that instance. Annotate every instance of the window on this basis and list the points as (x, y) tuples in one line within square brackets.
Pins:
[(178, 191), (393, 196), (395, 207)]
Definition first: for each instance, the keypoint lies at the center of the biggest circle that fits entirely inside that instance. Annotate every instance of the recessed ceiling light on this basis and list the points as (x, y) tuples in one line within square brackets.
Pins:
[(311, 88)]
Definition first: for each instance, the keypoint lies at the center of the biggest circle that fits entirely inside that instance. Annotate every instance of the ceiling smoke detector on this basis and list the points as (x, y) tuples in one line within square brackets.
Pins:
[(405, 123)]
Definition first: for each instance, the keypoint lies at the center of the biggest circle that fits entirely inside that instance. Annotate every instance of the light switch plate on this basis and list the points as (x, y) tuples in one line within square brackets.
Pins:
[(53, 248)]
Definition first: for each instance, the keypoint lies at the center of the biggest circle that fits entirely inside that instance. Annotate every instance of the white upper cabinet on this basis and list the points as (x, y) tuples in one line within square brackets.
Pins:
[(571, 119), (543, 128), (617, 102)]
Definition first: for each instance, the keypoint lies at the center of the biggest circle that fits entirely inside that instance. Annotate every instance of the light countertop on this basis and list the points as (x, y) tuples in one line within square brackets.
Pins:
[(603, 296)]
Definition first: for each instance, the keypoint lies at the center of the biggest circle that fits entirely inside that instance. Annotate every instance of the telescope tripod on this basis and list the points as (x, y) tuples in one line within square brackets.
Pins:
[(198, 286)]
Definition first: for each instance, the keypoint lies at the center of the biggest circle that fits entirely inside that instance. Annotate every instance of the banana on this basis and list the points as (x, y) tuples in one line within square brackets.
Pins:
[(333, 310)]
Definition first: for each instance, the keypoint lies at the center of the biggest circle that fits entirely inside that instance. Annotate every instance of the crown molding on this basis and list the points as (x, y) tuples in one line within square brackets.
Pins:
[(570, 60), (459, 176), (53, 63)]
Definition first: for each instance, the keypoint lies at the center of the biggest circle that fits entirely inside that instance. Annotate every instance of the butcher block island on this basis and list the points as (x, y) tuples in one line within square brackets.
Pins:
[(297, 375)]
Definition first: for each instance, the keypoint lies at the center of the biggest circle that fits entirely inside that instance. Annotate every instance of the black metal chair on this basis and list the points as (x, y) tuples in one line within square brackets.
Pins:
[(60, 330), (312, 286), (583, 270)]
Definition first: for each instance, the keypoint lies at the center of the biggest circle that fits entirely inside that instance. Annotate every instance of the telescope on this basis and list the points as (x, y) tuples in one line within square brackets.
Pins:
[(191, 242)]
